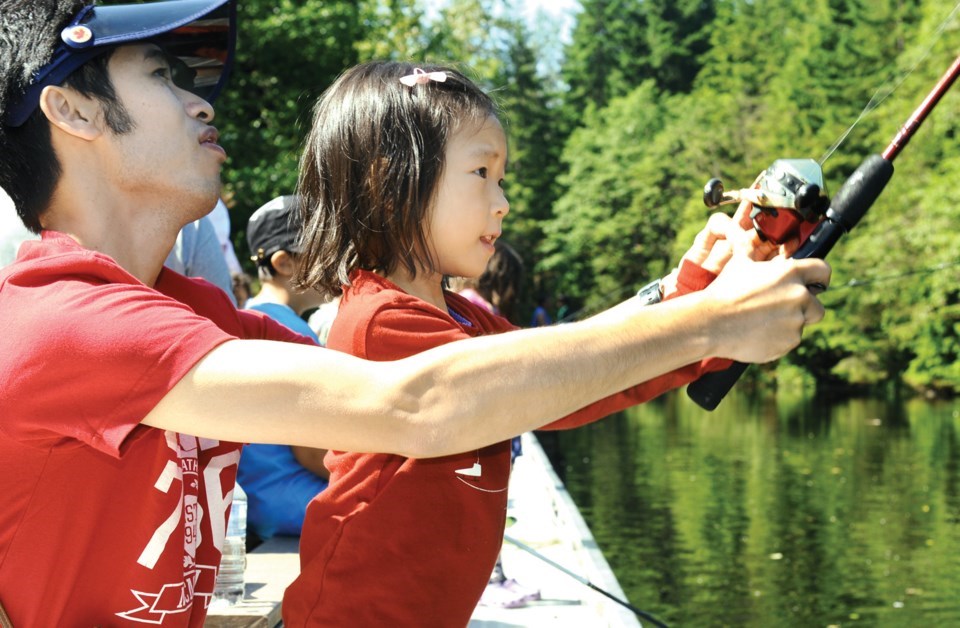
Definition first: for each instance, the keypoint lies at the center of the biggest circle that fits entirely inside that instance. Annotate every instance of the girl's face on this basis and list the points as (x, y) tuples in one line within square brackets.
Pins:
[(469, 207)]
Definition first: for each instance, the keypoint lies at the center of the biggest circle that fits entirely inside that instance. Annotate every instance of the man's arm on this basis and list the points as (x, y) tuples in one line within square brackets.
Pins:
[(483, 390)]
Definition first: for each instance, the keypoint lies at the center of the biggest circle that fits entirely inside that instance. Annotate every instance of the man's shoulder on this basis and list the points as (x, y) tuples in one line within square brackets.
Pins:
[(58, 258)]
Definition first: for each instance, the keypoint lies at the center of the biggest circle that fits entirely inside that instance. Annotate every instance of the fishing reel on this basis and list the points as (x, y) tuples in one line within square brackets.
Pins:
[(789, 199)]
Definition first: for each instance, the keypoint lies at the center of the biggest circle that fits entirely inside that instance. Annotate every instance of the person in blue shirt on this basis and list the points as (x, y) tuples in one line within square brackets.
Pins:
[(279, 480), (197, 253), (541, 316)]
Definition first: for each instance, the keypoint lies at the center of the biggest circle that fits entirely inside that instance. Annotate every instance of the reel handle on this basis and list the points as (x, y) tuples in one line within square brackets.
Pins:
[(713, 193)]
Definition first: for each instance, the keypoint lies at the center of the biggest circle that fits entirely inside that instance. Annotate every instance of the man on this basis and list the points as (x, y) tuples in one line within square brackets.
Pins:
[(126, 388), (279, 480)]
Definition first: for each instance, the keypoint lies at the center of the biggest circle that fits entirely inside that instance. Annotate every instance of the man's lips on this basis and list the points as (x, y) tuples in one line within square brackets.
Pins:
[(210, 134), (209, 139)]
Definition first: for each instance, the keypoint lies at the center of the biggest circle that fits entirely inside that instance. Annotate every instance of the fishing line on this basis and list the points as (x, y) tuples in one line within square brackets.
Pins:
[(859, 283), (653, 620), (874, 102)]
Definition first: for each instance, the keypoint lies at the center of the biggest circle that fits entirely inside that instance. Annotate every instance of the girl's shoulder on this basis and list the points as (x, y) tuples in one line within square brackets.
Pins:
[(486, 321), (378, 320), (369, 296)]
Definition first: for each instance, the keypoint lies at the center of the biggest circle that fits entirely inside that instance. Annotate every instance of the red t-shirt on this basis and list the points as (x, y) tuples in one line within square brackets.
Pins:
[(396, 541), (106, 521)]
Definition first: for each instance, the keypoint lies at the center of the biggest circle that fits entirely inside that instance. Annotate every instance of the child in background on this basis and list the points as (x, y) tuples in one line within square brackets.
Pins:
[(498, 288), (401, 183), (279, 480)]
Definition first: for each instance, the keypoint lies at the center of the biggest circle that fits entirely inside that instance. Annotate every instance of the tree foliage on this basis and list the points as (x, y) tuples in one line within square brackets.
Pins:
[(288, 51), (654, 97)]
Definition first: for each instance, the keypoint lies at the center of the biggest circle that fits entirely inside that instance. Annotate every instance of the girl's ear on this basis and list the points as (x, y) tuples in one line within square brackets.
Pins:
[(71, 112)]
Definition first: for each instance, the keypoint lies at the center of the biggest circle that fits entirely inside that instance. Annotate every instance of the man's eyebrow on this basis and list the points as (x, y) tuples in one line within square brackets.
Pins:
[(156, 54)]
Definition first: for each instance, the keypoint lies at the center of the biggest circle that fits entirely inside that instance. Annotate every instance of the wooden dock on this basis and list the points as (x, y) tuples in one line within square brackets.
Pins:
[(549, 522)]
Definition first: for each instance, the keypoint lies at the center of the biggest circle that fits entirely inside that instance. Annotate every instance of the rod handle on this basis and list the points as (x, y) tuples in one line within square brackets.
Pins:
[(711, 388)]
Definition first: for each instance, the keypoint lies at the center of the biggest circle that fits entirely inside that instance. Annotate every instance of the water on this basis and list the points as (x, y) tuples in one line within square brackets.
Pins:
[(229, 586), (765, 514)]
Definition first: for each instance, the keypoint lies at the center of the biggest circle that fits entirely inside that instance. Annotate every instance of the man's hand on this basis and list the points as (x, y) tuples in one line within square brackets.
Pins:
[(765, 305)]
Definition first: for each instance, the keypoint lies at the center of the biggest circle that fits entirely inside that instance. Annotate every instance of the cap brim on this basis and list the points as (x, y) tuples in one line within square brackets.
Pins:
[(201, 34)]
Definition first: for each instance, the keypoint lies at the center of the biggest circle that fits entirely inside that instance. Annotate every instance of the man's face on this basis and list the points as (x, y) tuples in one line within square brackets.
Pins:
[(170, 160)]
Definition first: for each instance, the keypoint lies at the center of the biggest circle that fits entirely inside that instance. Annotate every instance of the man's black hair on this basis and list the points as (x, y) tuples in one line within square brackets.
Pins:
[(29, 33)]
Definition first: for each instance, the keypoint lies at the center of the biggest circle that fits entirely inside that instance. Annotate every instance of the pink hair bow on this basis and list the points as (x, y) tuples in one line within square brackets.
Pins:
[(419, 77)]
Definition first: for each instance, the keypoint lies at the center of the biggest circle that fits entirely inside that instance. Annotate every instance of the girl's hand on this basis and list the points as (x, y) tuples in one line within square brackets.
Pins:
[(711, 249)]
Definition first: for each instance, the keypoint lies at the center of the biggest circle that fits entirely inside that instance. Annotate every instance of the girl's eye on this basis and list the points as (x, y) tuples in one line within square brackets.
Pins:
[(163, 73), (481, 172)]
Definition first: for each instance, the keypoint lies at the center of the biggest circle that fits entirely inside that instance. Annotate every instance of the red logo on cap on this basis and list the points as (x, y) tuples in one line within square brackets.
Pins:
[(77, 34)]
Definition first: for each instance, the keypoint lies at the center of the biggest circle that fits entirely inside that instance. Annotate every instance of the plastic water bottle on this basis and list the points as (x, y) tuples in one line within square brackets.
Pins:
[(229, 587)]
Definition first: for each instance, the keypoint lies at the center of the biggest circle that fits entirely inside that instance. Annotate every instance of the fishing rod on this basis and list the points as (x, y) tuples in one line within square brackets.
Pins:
[(639, 613), (789, 201)]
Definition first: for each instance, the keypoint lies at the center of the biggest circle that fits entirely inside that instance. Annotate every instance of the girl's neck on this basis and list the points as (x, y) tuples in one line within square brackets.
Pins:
[(428, 287)]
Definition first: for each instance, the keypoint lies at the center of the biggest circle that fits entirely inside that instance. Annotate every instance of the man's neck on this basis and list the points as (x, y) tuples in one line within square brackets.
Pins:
[(270, 292), (140, 251), (137, 233)]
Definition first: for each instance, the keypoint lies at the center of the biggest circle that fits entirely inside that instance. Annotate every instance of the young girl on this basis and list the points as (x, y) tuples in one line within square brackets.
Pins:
[(402, 184)]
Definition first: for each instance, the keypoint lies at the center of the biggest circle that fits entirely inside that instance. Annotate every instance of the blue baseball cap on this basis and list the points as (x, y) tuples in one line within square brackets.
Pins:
[(198, 35)]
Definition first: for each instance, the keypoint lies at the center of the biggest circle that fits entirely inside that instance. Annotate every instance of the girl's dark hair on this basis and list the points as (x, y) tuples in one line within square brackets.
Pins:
[(370, 168)]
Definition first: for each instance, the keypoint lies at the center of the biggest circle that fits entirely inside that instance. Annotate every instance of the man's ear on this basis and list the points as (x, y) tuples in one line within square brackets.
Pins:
[(283, 263), (71, 112)]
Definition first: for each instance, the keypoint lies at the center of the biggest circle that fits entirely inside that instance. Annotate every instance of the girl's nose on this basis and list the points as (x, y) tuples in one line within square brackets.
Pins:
[(501, 205)]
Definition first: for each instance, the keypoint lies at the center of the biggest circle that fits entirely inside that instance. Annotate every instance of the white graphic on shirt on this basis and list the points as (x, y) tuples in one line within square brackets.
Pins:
[(216, 501), (178, 597)]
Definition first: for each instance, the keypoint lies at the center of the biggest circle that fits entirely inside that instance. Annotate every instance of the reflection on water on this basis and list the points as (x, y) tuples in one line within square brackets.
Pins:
[(766, 514)]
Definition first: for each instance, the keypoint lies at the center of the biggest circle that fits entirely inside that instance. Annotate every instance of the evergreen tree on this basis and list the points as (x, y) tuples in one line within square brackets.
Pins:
[(533, 130), (678, 34), (396, 29), (287, 53), (610, 227), (608, 54)]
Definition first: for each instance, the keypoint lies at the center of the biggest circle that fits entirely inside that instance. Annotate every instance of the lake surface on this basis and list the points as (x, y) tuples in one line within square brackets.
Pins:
[(802, 513)]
